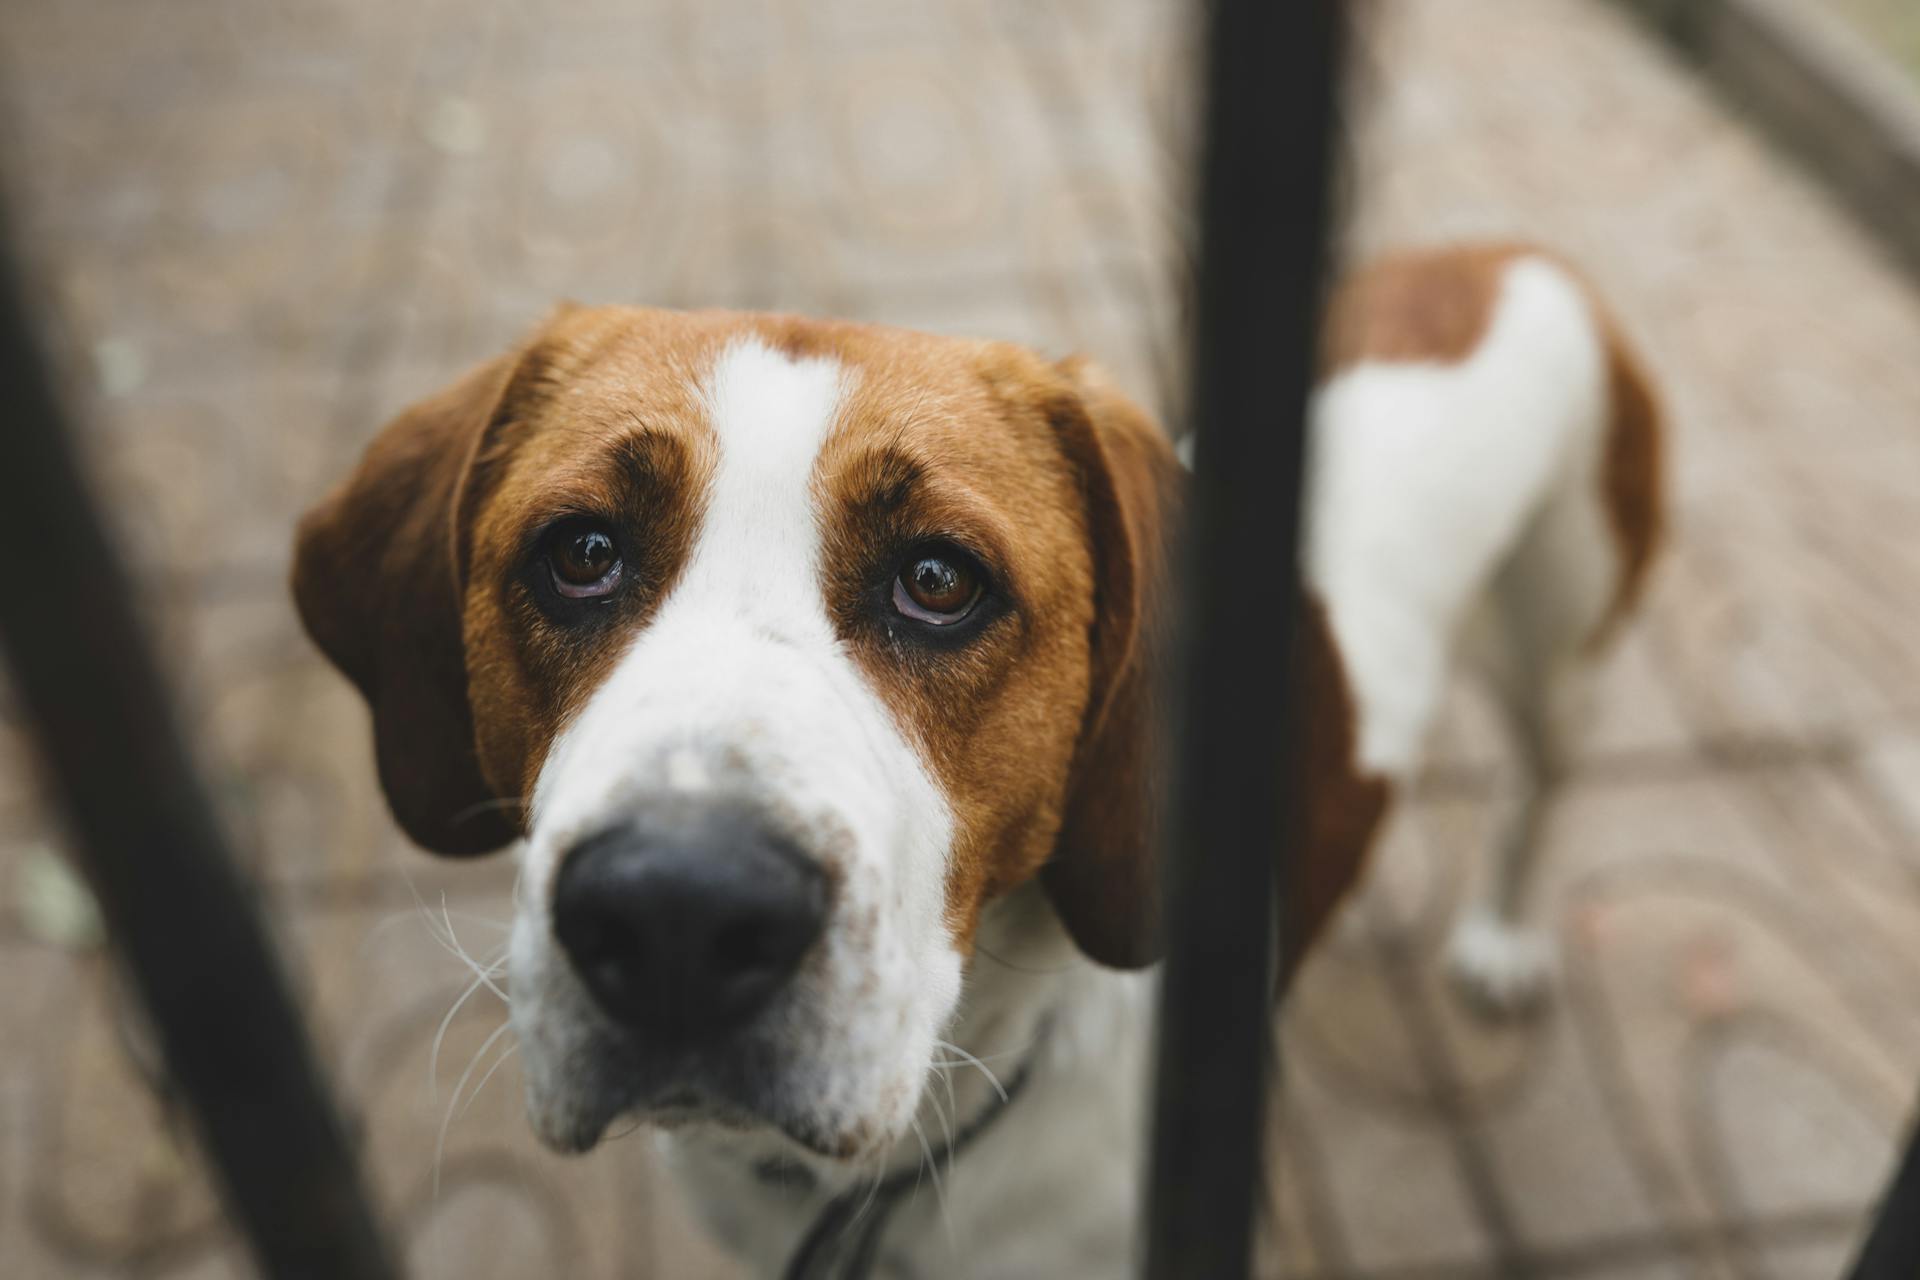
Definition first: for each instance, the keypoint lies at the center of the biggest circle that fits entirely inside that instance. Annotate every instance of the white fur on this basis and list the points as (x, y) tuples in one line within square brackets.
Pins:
[(1456, 516), (1050, 1190), (1423, 477), (740, 684), (1502, 968)]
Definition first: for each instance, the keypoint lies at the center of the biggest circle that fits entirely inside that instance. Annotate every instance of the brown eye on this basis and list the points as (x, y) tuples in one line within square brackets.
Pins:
[(940, 589), (584, 560)]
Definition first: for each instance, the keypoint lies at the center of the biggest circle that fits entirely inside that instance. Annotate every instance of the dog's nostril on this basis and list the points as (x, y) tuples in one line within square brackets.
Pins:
[(742, 948), (685, 927), (592, 938)]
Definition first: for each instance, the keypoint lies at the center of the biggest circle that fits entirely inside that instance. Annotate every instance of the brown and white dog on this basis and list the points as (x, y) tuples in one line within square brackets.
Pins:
[(810, 666)]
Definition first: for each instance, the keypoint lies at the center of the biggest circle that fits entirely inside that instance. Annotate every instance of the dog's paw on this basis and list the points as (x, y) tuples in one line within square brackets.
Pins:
[(1503, 971)]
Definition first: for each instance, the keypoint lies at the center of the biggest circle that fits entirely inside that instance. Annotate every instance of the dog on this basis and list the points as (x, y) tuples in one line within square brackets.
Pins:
[(812, 668)]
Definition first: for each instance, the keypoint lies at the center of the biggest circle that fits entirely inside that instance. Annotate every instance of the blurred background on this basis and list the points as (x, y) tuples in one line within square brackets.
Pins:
[(268, 224)]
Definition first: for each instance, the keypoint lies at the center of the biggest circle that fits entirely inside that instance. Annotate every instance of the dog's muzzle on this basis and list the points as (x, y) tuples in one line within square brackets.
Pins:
[(684, 921)]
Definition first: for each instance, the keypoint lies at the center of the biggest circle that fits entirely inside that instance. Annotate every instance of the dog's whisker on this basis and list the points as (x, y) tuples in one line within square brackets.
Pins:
[(946, 1118), (479, 921), (634, 1126), (482, 977), (1022, 968), (443, 932), (439, 1037), (879, 1173), (446, 1121), (498, 1063), (382, 927), (483, 972), (999, 1055), (932, 1167), (969, 1059), (473, 811)]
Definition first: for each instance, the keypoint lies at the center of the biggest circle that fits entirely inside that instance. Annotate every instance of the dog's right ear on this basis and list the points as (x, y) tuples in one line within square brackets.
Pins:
[(378, 582)]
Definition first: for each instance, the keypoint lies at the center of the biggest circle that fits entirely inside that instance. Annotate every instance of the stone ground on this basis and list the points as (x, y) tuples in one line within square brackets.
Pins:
[(271, 224)]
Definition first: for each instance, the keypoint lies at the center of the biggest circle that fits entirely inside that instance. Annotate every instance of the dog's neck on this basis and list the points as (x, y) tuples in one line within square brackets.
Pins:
[(1063, 1157)]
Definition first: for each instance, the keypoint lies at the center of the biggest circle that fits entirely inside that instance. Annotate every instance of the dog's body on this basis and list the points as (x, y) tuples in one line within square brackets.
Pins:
[(814, 665)]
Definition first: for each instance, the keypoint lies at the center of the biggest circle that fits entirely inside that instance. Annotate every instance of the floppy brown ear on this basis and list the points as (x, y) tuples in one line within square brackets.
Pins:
[(1104, 877), (376, 579)]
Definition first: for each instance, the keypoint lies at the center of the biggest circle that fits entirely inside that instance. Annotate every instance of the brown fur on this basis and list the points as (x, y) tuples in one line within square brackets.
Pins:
[(951, 440), (377, 584), (1104, 877), (1633, 476), (1423, 304), (1337, 808), (407, 576), (608, 430)]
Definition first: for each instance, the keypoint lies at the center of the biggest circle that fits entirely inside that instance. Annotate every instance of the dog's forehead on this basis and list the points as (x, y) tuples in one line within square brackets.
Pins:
[(606, 371)]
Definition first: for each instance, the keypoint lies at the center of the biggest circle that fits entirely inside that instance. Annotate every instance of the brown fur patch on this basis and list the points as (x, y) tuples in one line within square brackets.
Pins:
[(414, 576), (1337, 808), (376, 581), (930, 448), (606, 426), (1418, 305), (1633, 475)]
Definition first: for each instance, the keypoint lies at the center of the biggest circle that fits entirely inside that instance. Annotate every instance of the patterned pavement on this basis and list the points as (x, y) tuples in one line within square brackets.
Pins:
[(271, 224)]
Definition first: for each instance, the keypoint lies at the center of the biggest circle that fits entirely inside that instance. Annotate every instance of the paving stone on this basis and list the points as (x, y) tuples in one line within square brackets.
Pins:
[(1388, 1180), (1807, 1260)]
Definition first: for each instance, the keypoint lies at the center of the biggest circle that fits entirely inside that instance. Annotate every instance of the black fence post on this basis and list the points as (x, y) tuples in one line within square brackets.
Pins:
[(1892, 1247), (1271, 75), (181, 917)]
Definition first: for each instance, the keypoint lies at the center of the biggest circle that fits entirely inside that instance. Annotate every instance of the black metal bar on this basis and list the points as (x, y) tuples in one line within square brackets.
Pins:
[(183, 919), (1892, 1248), (1271, 75)]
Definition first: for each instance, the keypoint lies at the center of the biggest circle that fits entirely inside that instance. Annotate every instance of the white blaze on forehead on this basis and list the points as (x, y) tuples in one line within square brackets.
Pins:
[(772, 414), (713, 674)]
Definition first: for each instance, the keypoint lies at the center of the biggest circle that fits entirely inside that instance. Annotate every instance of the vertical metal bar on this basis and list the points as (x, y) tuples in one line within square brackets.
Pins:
[(182, 918), (1892, 1247), (1271, 74)]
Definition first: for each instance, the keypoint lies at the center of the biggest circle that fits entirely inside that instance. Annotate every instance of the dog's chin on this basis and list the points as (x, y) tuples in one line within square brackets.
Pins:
[(580, 1124), (758, 1090)]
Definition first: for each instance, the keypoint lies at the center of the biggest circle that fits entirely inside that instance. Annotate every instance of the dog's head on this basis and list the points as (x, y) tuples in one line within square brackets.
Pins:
[(787, 647)]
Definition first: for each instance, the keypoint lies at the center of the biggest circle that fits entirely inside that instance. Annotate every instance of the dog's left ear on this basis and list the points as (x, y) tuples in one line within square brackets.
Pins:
[(1104, 876), (376, 579)]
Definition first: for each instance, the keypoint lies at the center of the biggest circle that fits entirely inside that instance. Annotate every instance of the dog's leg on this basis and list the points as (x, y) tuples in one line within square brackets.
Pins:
[(1500, 963), (1533, 642)]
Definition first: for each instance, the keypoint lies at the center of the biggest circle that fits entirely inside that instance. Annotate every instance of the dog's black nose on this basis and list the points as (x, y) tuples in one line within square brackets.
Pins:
[(684, 922)]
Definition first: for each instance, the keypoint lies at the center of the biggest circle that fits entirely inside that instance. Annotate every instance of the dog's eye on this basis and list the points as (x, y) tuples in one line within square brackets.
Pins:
[(584, 560), (939, 587)]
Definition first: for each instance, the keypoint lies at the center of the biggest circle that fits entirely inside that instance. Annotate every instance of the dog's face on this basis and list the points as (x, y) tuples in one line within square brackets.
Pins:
[(787, 647)]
